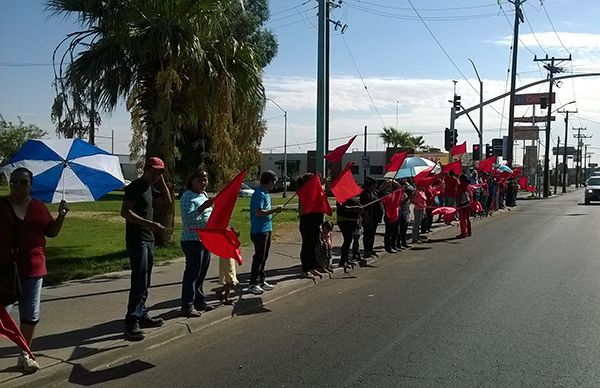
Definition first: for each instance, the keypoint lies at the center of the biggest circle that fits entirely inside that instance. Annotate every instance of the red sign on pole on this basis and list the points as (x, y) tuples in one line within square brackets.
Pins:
[(532, 98)]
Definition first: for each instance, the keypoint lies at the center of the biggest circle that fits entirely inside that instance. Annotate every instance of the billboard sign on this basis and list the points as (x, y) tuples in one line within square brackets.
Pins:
[(561, 150), (532, 98), (533, 119), (526, 133)]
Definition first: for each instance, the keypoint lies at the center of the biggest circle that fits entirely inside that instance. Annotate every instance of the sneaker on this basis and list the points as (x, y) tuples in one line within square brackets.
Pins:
[(256, 289), (28, 364), (147, 322), (133, 332), (267, 287)]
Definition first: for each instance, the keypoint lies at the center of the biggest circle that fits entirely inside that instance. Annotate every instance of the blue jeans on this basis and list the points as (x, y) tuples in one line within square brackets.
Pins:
[(197, 260), (29, 304), (141, 260)]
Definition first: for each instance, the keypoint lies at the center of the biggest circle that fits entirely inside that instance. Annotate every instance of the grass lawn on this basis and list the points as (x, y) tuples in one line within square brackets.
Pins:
[(92, 239)]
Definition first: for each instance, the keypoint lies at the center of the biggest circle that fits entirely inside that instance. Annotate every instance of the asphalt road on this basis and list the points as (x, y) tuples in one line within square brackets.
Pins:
[(516, 304)]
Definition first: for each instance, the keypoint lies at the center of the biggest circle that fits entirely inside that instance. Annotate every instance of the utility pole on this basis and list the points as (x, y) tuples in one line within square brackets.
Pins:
[(551, 70), (579, 136), (564, 174), (556, 166), (322, 51), (365, 158), (513, 76), (480, 111)]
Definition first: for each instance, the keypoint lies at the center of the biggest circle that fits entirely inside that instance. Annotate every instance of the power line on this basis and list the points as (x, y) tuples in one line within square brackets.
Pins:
[(533, 33), (425, 9), (362, 80), (291, 8), (552, 25)]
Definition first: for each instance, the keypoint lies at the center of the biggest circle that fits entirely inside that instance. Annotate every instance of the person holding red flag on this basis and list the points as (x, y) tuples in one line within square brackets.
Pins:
[(371, 216), (312, 206), (261, 228), (465, 196), (392, 195), (196, 209)]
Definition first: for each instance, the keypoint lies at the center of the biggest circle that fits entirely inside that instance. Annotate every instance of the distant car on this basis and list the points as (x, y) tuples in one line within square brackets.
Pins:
[(592, 190), (246, 191)]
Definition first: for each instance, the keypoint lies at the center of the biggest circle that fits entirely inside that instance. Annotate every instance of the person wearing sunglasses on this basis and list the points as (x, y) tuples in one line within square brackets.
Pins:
[(26, 222)]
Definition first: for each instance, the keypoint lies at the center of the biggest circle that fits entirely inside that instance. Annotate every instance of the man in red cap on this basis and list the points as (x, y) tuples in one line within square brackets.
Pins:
[(139, 238)]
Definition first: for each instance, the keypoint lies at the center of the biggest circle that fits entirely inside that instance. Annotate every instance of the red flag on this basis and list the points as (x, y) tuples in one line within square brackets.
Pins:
[(391, 204), (523, 183), (312, 198), (517, 172), (425, 173), (336, 155), (476, 206), (448, 213), (344, 186), (217, 237), (10, 330), (531, 189), (454, 166), (459, 149), (396, 161), (486, 164), (425, 182)]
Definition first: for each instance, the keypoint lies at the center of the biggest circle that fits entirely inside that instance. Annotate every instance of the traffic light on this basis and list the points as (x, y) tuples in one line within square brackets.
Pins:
[(448, 139), (543, 102), (456, 103), (455, 137), (476, 153), (489, 151)]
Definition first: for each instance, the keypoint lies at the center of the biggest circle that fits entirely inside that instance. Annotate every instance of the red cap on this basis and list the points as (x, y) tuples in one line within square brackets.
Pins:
[(155, 163)]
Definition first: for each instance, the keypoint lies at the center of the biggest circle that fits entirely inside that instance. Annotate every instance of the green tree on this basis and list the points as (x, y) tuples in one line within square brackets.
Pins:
[(402, 140), (183, 74), (13, 136)]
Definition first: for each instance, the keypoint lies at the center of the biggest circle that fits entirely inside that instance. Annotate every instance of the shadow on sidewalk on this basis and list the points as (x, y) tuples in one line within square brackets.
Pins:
[(75, 338), (82, 376)]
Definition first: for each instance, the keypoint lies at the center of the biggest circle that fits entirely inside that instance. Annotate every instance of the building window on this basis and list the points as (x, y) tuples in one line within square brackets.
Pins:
[(354, 170), (376, 170)]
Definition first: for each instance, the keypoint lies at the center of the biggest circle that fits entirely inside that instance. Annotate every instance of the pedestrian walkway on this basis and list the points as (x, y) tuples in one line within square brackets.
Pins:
[(82, 321)]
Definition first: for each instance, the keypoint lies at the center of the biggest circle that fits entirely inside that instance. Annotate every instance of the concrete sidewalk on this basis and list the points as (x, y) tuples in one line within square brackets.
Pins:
[(81, 324)]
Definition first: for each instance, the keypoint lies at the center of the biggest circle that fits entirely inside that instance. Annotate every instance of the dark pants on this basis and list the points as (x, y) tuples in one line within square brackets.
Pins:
[(262, 245), (197, 260), (391, 234), (402, 229), (369, 231), (141, 260), (465, 221), (427, 221), (309, 230), (347, 228)]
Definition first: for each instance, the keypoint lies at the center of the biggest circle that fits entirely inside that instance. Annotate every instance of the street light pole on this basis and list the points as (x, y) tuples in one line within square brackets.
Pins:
[(285, 177), (397, 102), (480, 111), (564, 174)]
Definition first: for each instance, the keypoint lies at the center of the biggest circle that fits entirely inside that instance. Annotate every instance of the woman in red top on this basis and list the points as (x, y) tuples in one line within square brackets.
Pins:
[(29, 222)]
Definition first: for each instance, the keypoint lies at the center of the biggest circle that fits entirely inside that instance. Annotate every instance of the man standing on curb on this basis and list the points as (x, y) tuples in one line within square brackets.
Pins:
[(260, 231), (139, 238)]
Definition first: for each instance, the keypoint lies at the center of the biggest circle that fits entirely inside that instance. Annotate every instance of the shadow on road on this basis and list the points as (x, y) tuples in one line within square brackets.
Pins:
[(82, 376)]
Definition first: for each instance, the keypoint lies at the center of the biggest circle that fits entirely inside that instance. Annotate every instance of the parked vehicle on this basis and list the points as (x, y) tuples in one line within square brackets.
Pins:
[(592, 190), (245, 191)]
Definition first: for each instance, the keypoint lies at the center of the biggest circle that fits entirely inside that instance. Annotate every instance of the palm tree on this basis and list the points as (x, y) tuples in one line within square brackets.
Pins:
[(173, 61), (402, 139)]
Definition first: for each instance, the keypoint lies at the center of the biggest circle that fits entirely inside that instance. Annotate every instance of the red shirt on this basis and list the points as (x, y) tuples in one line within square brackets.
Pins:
[(450, 186), (33, 229)]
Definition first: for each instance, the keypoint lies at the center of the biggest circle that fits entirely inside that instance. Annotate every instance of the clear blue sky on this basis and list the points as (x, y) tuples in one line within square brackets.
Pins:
[(403, 67)]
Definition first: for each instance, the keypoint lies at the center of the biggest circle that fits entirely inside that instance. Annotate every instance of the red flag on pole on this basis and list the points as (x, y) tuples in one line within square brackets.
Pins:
[(217, 237), (454, 166), (344, 186), (517, 172), (523, 183), (459, 149), (486, 164), (425, 173), (10, 330), (396, 161), (391, 204), (312, 197), (336, 155)]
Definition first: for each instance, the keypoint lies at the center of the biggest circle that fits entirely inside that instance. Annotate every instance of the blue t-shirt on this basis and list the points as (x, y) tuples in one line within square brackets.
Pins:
[(190, 217), (260, 200)]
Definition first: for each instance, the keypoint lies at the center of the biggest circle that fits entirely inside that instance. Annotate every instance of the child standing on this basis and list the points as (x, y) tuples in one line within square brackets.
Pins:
[(227, 277), (326, 245)]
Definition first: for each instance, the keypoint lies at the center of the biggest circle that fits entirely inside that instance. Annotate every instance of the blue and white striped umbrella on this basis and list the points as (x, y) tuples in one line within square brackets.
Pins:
[(69, 169)]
